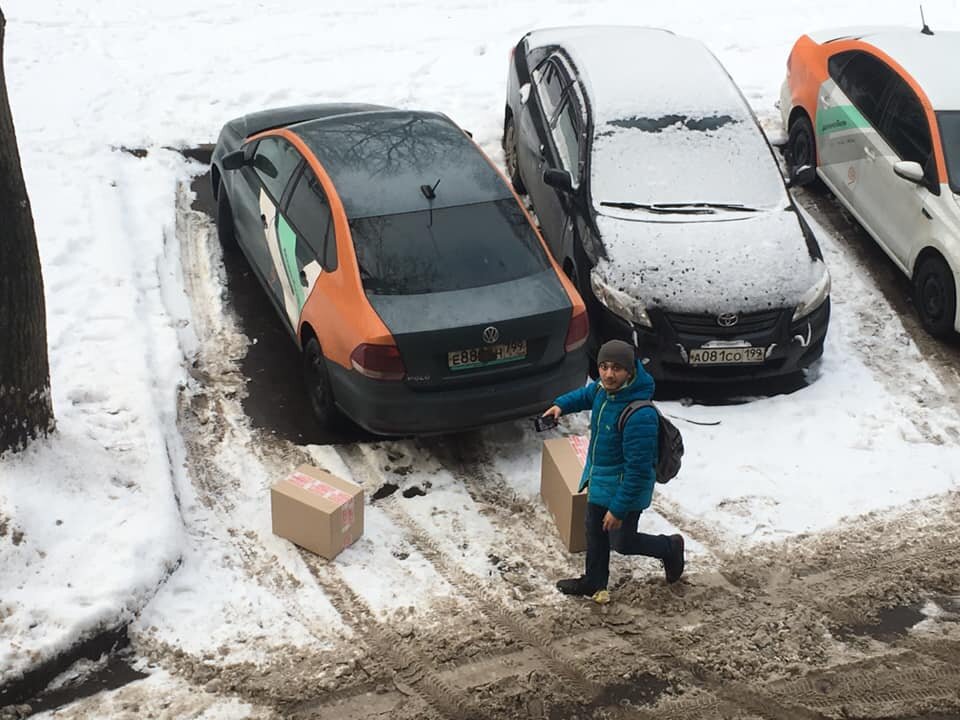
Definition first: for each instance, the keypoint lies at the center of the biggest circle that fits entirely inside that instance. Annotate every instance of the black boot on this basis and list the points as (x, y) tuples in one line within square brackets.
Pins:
[(674, 562), (576, 586)]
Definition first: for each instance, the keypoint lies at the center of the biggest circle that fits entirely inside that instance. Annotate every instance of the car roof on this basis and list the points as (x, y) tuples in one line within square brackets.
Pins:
[(383, 161), (931, 60), (659, 63), (669, 124)]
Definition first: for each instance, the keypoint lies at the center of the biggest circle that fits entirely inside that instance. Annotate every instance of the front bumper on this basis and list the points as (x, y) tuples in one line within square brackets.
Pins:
[(790, 345), (393, 408)]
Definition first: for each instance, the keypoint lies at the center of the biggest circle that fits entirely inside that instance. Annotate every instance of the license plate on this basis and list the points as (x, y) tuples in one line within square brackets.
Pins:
[(486, 356), (726, 356)]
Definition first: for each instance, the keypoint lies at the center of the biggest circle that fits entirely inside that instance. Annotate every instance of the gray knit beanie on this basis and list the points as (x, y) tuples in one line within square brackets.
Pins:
[(619, 352)]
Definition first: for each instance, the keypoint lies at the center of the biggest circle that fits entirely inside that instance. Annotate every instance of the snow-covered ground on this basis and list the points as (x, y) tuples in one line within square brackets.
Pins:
[(101, 523)]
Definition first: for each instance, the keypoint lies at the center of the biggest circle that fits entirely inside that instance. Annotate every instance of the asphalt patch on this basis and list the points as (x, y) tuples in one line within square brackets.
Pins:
[(891, 623), (643, 689)]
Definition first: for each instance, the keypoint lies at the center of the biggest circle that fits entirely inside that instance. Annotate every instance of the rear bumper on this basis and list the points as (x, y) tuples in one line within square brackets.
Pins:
[(393, 408), (791, 347)]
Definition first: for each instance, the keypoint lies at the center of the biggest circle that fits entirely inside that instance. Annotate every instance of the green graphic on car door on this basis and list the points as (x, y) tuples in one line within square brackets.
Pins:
[(840, 129), (295, 265)]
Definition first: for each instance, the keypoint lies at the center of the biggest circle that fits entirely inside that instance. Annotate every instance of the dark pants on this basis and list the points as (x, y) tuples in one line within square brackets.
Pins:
[(625, 540)]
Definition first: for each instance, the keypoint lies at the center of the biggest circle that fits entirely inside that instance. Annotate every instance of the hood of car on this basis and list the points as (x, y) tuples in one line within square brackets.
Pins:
[(742, 262)]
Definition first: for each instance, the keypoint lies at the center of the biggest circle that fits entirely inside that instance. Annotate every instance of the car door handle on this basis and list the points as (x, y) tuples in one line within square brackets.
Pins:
[(263, 219), (303, 279), (869, 152)]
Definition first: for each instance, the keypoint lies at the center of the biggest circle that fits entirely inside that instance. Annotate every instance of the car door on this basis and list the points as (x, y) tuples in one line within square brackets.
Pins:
[(892, 207), (306, 239), (849, 109), (275, 161), (536, 149)]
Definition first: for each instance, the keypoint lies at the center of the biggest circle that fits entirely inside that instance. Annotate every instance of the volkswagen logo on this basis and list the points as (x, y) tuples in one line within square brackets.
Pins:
[(727, 319), (491, 335)]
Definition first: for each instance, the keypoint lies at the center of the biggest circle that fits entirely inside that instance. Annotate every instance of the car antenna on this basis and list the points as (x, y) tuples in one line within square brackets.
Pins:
[(926, 28), (429, 192)]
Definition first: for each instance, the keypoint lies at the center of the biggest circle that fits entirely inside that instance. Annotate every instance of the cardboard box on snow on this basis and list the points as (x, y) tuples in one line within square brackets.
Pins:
[(317, 511), (560, 471)]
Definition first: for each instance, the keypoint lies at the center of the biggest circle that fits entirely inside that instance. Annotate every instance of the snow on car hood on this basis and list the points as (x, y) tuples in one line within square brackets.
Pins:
[(754, 262)]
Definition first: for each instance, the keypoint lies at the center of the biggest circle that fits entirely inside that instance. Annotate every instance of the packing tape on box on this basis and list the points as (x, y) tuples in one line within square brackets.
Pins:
[(321, 488), (580, 445)]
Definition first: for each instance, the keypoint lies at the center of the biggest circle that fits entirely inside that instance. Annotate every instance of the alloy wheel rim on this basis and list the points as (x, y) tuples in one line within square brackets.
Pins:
[(802, 149), (932, 298)]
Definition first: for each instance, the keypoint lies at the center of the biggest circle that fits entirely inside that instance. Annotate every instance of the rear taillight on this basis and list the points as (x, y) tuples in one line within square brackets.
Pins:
[(381, 362), (578, 331)]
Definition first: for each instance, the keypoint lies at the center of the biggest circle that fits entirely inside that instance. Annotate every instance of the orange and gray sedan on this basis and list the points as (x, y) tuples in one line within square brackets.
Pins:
[(403, 265)]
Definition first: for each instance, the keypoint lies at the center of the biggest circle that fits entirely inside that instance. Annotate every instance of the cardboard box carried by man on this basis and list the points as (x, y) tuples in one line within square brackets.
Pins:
[(560, 471)]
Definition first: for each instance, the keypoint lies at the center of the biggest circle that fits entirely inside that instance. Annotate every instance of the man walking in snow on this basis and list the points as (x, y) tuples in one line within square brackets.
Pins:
[(620, 470)]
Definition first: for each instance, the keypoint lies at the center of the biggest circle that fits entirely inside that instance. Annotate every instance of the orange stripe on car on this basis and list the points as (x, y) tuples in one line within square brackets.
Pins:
[(337, 295)]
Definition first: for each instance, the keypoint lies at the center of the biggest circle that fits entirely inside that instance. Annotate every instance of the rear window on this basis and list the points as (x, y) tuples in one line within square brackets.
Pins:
[(454, 249), (950, 136)]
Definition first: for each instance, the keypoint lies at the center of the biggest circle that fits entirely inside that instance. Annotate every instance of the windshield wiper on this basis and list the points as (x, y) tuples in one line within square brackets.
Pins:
[(694, 208)]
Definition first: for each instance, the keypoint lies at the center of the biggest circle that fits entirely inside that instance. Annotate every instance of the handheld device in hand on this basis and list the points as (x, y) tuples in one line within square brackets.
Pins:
[(544, 422)]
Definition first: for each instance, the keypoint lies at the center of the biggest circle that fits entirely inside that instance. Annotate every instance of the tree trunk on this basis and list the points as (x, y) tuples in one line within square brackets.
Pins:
[(26, 411)]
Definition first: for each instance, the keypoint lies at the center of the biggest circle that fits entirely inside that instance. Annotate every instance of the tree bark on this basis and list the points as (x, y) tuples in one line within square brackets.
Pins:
[(26, 411)]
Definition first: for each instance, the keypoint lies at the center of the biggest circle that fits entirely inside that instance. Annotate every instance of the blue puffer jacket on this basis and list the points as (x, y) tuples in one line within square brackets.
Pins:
[(619, 468)]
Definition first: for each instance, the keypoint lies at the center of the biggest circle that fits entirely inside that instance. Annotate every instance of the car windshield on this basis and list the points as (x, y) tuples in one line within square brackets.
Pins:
[(950, 137), (683, 159), (452, 248)]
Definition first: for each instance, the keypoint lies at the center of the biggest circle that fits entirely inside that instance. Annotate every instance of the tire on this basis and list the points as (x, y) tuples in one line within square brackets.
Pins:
[(801, 148), (316, 381), (935, 295), (510, 156), (226, 232)]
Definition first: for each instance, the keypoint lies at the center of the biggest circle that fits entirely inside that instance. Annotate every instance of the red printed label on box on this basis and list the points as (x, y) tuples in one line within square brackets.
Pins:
[(580, 445), (319, 487), (346, 516)]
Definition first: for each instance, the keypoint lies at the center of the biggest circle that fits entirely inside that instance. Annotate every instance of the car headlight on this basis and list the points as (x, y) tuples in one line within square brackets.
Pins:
[(814, 297), (619, 302)]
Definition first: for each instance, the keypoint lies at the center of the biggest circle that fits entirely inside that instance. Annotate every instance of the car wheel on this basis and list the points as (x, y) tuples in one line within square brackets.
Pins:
[(510, 155), (226, 231), (316, 381), (935, 295), (801, 148)]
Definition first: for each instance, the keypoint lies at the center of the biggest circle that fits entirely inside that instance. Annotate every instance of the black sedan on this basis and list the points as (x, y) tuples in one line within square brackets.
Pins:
[(658, 193)]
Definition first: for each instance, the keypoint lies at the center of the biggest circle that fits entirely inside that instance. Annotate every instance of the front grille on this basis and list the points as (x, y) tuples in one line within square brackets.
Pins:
[(702, 324)]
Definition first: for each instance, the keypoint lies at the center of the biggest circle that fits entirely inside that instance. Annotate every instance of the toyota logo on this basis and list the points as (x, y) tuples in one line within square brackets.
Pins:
[(727, 319), (491, 335)]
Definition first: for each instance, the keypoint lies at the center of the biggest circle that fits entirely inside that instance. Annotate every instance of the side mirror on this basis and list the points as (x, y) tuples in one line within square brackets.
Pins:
[(559, 179), (264, 165), (909, 170), (234, 160)]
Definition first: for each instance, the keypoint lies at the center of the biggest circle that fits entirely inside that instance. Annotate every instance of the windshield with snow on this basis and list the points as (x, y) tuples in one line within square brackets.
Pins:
[(683, 162), (950, 137)]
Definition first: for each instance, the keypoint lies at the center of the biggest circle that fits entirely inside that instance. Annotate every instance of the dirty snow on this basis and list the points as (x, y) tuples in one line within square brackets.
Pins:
[(134, 541)]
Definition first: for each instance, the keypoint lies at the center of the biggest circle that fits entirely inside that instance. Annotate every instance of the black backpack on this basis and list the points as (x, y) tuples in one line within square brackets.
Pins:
[(669, 440)]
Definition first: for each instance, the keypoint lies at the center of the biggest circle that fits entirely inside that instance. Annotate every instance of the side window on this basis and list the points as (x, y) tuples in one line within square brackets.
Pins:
[(566, 135), (309, 212), (864, 79), (549, 81), (905, 125), (274, 162)]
